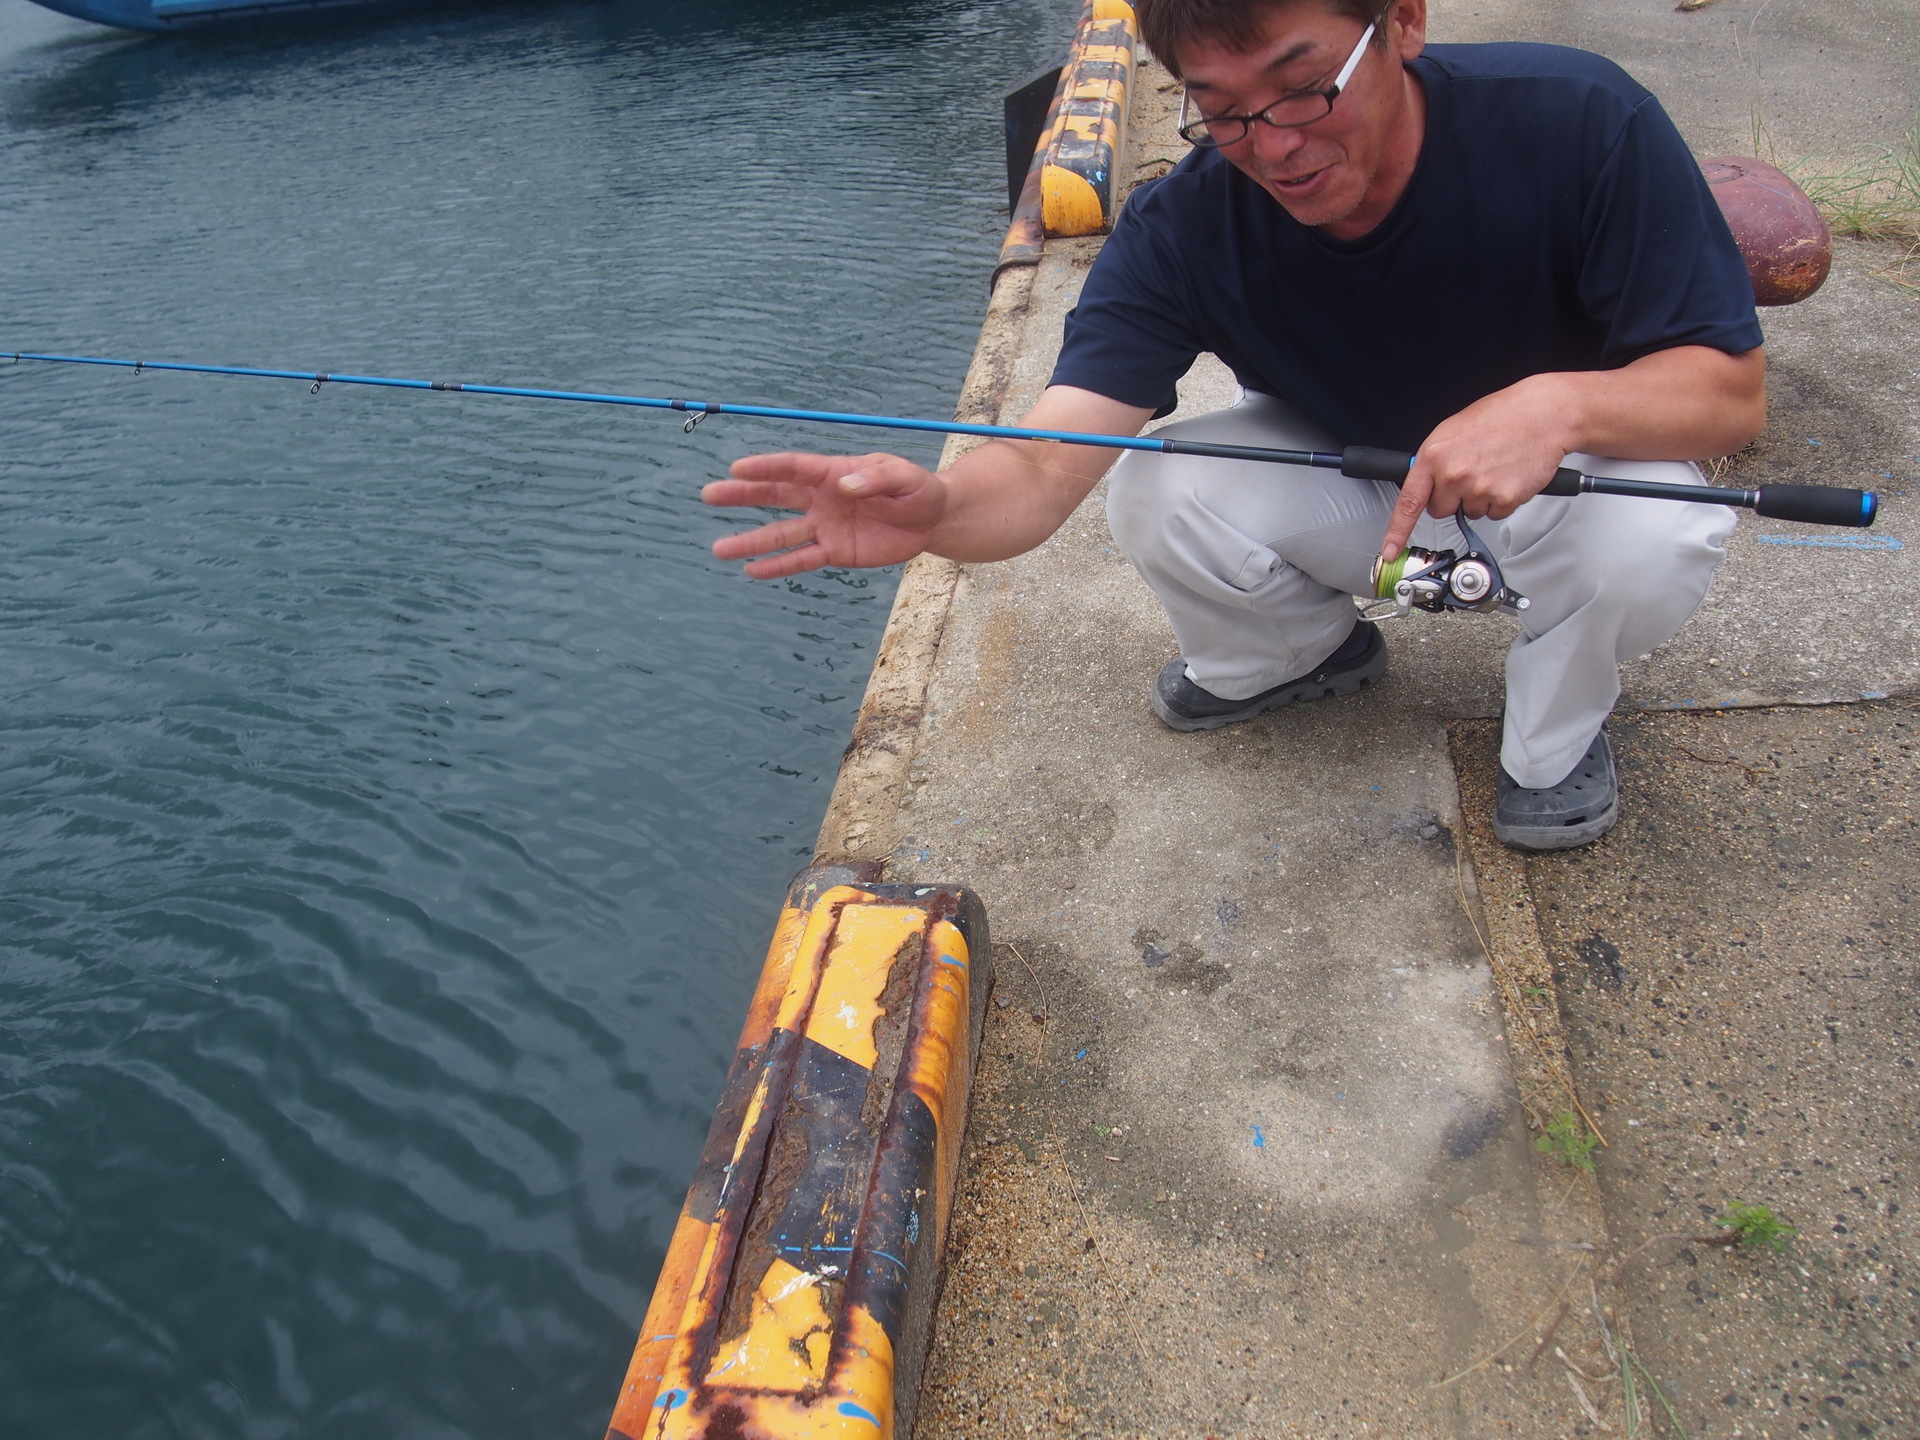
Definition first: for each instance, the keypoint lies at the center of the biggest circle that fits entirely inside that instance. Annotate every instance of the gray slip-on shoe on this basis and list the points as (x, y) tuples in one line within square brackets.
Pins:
[(1185, 706), (1577, 811)]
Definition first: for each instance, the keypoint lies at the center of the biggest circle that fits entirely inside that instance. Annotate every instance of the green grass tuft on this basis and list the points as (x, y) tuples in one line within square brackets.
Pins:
[(1569, 1141), (1875, 196), (1754, 1226)]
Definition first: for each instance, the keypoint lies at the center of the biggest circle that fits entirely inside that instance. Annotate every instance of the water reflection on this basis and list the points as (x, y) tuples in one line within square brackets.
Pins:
[(394, 797)]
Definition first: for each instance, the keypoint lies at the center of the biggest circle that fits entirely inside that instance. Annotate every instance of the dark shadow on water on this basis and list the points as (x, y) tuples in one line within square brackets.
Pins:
[(118, 75)]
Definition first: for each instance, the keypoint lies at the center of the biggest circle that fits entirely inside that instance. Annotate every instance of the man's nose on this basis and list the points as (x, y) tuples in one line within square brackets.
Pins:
[(1275, 144)]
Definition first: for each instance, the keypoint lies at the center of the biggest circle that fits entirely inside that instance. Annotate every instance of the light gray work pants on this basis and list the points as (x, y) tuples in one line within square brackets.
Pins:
[(1256, 564)]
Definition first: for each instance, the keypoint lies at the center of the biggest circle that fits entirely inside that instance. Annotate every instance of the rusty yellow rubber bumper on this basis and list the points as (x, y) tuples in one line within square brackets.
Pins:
[(1080, 183), (1073, 186), (797, 1295)]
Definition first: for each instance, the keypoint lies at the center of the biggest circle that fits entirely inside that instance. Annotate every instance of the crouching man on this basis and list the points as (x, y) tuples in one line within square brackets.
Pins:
[(1502, 257)]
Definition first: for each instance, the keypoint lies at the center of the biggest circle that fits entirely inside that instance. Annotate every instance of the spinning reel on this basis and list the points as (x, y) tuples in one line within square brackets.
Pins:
[(1440, 580)]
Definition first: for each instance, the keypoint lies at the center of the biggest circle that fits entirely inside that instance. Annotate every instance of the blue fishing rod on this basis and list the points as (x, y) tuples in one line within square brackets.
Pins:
[(1807, 504)]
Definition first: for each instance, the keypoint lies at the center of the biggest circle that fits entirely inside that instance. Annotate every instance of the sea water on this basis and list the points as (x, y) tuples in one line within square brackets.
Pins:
[(395, 796)]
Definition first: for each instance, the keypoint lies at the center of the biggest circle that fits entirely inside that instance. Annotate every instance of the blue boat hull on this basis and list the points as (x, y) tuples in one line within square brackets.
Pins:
[(172, 16)]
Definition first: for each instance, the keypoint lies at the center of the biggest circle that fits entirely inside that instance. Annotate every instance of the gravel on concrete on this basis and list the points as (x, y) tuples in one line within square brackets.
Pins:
[(1739, 967)]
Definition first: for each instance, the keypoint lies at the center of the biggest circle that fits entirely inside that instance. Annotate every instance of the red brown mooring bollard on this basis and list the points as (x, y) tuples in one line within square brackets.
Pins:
[(1787, 245)]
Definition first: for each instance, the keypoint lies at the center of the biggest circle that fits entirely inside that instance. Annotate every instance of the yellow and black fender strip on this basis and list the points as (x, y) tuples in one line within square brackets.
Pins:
[(1080, 176), (1072, 184), (796, 1298)]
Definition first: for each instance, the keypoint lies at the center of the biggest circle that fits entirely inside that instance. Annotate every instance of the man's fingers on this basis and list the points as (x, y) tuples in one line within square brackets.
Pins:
[(1406, 513), (792, 467), (778, 494), (778, 536), (788, 562)]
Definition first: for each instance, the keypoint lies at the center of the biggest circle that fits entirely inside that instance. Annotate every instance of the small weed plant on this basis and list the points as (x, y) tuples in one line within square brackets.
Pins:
[(1753, 1227), (1570, 1142)]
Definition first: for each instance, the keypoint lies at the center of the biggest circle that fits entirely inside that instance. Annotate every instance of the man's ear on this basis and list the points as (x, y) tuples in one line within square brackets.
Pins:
[(1406, 25)]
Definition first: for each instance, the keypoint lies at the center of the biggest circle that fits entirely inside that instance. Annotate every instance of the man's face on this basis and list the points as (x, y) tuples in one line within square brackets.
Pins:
[(1352, 164)]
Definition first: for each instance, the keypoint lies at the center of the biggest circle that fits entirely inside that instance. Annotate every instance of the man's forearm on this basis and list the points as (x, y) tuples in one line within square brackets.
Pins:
[(1007, 496), (1689, 403)]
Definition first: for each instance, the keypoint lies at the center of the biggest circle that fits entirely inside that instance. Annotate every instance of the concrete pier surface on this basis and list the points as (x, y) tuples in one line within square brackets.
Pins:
[(1278, 1024)]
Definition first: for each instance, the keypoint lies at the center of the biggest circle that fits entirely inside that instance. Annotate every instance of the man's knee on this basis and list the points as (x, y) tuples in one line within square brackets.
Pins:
[(1627, 554), (1145, 495)]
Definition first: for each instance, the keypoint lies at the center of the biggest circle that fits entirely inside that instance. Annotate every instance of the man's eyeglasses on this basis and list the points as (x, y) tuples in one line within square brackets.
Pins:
[(1303, 107)]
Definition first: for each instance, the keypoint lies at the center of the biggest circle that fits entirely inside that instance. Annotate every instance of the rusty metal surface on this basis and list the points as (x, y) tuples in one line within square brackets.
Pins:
[(797, 1295), (1786, 243)]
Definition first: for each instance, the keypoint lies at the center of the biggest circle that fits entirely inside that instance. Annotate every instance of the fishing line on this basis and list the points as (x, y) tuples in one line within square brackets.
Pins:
[(1805, 504)]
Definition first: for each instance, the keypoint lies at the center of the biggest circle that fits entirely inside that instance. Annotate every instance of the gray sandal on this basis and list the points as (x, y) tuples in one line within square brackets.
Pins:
[(1183, 705), (1577, 811)]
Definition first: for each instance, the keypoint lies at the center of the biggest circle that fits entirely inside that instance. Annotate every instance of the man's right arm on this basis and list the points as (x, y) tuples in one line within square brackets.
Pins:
[(999, 500)]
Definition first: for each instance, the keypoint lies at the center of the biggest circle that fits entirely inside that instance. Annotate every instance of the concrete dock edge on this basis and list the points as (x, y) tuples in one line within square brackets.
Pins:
[(1074, 187), (873, 771)]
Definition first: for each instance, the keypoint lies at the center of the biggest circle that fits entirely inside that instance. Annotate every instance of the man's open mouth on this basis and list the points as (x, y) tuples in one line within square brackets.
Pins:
[(1300, 182)]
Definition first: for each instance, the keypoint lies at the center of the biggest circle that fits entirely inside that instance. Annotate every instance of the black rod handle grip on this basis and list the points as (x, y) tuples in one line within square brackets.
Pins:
[(1366, 462), (1564, 482), (1817, 505)]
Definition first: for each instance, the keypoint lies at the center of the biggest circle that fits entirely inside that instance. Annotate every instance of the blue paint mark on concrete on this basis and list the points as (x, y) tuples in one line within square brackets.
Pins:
[(859, 1412), (1873, 694), (1082, 1054), (1259, 1139), (1834, 542)]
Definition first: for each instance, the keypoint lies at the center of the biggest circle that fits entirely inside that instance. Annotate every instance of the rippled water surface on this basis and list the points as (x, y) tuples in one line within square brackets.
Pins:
[(395, 799)]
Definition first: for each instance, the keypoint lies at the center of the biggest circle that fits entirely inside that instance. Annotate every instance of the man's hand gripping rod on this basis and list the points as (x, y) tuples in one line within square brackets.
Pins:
[(1471, 580), (1807, 504)]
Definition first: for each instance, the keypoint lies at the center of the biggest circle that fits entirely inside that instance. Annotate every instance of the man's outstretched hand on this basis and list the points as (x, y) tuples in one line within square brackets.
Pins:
[(855, 510)]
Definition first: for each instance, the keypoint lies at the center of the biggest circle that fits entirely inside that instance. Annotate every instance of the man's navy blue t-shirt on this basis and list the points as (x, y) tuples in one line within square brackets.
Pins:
[(1555, 221)]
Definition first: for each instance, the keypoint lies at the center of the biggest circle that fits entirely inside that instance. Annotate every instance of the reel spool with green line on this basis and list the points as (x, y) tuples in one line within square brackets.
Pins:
[(1440, 580)]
